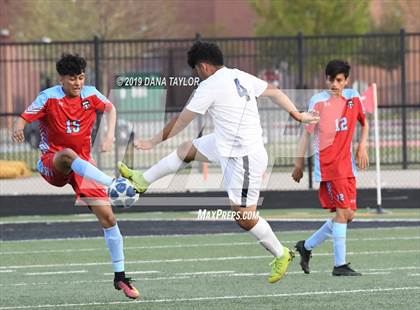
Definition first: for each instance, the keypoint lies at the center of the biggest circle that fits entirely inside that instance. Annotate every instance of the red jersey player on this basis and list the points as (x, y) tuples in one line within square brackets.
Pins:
[(335, 168), (66, 115)]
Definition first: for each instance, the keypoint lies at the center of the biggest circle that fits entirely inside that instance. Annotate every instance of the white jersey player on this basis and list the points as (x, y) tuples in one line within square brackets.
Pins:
[(229, 96)]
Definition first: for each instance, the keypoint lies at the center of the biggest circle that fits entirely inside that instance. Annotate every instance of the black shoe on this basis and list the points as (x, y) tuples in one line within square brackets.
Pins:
[(345, 270), (305, 255)]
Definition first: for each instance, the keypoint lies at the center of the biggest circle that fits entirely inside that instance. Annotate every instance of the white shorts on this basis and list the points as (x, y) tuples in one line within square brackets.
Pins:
[(242, 176)]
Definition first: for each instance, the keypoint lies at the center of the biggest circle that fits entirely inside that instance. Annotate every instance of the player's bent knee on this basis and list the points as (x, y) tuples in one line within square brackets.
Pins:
[(186, 151), (108, 220), (66, 156), (246, 223)]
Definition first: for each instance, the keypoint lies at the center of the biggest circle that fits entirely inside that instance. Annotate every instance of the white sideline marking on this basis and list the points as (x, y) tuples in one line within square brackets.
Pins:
[(203, 259), (6, 270), (392, 268), (134, 272), (208, 298), (203, 273), (53, 272), (375, 273), (414, 274), (171, 246), (168, 246), (213, 275), (291, 220), (198, 235)]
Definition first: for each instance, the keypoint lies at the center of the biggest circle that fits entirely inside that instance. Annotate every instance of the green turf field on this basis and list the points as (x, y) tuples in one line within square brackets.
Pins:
[(225, 271)]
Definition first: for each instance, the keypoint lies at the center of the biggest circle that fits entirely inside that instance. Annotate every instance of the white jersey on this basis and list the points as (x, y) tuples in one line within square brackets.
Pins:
[(230, 97)]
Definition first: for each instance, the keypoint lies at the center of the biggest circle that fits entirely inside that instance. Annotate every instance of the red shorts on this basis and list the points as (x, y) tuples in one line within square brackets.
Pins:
[(340, 193), (85, 190)]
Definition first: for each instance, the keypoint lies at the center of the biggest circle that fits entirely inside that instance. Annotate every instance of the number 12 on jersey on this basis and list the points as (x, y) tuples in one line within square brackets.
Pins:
[(341, 124), (242, 91)]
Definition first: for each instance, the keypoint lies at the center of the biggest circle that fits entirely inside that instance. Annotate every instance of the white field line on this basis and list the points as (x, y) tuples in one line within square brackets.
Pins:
[(134, 272), (204, 273), (169, 246), (202, 259), (54, 272), (6, 270), (212, 298), (213, 274), (173, 246), (289, 232), (380, 220)]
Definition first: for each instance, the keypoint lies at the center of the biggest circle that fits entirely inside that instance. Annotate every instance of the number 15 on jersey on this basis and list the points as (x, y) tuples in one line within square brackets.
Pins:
[(72, 126)]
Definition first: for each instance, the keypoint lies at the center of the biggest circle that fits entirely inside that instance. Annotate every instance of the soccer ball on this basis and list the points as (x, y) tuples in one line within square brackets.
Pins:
[(122, 194)]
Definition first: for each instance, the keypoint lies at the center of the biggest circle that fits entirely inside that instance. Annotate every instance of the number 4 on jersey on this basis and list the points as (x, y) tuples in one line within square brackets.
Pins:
[(242, 91)]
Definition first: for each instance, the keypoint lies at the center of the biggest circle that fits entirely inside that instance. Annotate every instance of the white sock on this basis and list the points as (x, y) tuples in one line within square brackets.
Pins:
[(115, 244), (265, 236), (319, 236), (167, 165)]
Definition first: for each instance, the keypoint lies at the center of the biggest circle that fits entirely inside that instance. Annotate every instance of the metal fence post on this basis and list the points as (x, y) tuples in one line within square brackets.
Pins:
[(200, 122), (403, 99), (96, 60), (96, 51)]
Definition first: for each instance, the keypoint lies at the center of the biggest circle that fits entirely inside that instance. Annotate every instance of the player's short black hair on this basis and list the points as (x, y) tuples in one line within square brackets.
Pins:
[(70, 64), (336, 66), (207, 52)]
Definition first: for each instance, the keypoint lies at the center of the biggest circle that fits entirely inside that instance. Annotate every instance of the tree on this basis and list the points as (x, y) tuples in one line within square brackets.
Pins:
[(62, 20), (384, 52), (315, 17), (285, 17)]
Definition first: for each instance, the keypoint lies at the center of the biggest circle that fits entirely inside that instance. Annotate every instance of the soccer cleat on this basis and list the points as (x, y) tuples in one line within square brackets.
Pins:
[(135, 177), (279, 265), (305, 256), (125, 285), (345, 270)]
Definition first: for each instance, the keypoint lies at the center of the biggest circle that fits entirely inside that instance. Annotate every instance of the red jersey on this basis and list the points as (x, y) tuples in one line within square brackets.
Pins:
[(334, 133), (66, 122)]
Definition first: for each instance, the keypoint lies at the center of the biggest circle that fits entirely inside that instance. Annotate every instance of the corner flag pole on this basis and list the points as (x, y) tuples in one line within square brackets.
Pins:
[(377, 152)]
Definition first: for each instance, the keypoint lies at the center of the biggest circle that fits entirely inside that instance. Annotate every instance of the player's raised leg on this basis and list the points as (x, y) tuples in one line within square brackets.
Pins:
[(170, 164), (67, 160), (114, 242)]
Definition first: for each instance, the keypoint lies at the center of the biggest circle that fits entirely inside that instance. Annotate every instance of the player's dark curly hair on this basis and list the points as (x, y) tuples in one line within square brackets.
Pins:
[(336, 66), (205, 52), (71, 65)]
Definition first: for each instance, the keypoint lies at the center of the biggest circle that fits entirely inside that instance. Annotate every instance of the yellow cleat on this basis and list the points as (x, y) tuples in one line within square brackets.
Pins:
[(279, 265), (135, 177)]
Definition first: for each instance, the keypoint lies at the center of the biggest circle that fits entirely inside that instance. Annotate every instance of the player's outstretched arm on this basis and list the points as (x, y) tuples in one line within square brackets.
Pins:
[(362, 158), (111, 119), (283, 101), (172, 128), (17, 134)]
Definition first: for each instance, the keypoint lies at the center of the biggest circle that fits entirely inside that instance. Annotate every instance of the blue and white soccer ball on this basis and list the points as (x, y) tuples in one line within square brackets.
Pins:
[(122, 194)]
